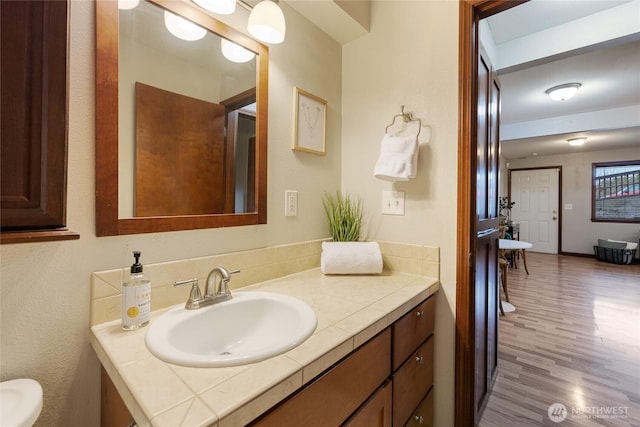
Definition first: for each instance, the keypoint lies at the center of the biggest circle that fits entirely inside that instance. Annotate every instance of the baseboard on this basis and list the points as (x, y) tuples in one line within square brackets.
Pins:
[(577, 254)]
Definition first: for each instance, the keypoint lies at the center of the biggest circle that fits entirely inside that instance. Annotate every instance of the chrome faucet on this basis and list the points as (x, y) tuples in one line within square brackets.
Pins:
[(211, 295)]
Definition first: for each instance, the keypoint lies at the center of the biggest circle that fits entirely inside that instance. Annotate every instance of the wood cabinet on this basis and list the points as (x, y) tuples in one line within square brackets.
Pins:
[(335, 395), (387, 382), (33, 140), (413, 346)]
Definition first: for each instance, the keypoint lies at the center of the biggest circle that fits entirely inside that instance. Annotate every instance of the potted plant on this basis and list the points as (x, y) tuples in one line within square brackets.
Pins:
[(345, 216), (505, 205), (346, 254)]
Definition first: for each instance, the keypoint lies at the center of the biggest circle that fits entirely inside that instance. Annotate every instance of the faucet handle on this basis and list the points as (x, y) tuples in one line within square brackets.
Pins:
[(194, 295)]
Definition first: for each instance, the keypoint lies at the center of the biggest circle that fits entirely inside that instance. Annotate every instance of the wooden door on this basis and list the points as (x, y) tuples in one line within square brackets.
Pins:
[(476, 244), (486, 236), (180, 154), (536, 196)]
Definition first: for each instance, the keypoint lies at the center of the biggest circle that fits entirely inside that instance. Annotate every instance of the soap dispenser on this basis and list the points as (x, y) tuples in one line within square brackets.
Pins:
[(136, 297)]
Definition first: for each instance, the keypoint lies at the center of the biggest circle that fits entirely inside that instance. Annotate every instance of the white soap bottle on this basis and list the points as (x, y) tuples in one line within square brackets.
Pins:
[(136, 298)]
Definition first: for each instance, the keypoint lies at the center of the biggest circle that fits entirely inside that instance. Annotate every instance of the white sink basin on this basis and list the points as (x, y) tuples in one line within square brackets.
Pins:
[(20, 402), (252, 326)]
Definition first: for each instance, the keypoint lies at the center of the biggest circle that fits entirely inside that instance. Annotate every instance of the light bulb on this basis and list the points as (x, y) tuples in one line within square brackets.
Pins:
[(183, 28), (234, 52), (266, 22)]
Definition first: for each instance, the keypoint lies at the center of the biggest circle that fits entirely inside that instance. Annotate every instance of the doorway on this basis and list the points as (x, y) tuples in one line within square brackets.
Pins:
[(536, 193)]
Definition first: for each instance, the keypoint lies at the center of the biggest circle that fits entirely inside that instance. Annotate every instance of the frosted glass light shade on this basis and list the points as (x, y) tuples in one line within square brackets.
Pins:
[(222, 7), (234, 52), (182, 28), (576, 141), (266, 22), (563, 92), (128, 4)]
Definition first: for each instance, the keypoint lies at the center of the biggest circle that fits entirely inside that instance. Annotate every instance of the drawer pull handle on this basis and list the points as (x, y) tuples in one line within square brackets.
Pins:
[(420, 359), (419, 419), (419, 313)]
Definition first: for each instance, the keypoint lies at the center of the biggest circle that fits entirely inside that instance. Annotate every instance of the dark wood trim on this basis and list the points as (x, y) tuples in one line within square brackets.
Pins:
[(470, 12), (577, 254), (8, 237)]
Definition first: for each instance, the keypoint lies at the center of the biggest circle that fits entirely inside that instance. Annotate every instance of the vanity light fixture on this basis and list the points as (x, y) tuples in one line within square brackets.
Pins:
[(128, 4), (222, 7), (183, 28), (576, 141), (563, 92), (234, 52), (266, 22)]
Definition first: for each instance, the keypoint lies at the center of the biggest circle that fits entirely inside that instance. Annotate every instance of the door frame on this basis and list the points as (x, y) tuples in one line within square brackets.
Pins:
[(559, 168), (470, 12)]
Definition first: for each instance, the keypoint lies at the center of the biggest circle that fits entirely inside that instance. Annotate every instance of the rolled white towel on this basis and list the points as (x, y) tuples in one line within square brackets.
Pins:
[(351, 258)]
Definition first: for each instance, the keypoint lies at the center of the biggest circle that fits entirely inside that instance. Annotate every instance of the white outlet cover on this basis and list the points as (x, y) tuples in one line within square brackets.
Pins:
[(290, 203)]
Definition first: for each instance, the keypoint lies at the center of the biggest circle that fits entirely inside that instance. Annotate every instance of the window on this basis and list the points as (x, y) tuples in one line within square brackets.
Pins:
[(616, 192)]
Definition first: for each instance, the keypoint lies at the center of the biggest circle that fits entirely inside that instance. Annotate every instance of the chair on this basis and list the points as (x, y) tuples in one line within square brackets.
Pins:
[(504, 267)]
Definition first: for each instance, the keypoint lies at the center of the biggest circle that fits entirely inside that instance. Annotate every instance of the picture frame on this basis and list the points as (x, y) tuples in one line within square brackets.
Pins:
[(309, 122)]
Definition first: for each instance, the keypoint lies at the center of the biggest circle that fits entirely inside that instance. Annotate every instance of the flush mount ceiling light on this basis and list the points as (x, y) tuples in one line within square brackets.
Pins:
[(576, 141), (563, 92), (266, 22), (128, 4), (182, 28), (234, 52), (222, 7)]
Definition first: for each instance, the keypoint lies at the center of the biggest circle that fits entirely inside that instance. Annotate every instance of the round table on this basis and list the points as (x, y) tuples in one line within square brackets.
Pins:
[(515, 245)]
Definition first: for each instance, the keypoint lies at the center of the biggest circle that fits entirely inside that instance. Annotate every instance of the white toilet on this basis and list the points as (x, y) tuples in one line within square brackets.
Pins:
[(20, 402)]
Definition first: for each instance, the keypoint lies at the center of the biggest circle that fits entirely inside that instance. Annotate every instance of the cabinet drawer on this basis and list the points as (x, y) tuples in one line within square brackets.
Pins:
[(336, 394), (423, 415), (411, 382), (411, 330)]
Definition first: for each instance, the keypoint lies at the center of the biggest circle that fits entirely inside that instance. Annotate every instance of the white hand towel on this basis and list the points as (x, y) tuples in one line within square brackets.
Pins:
[(351, 258), (398, 159)]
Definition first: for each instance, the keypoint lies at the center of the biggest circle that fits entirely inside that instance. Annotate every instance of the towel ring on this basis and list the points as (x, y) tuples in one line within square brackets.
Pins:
[(406, 117)]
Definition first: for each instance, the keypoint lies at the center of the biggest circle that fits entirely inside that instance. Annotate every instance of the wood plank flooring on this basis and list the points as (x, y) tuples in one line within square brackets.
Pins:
[(574, 339)]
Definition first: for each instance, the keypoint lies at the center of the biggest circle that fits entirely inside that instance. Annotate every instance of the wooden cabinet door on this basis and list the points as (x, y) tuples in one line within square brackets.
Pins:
[(33, 140), (375, 412)]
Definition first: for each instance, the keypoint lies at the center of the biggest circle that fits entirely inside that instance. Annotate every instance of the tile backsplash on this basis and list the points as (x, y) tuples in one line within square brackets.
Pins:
[(255, 266)]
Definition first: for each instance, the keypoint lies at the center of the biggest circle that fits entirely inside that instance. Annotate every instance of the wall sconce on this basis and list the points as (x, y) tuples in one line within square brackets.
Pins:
[(576, 141), (128, 4), (222, 7), (182, 28), (266, 22), (563, 92), (234, 52)]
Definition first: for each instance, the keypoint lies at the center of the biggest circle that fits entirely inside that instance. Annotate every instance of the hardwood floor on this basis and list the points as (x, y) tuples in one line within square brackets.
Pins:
[(574, 339)]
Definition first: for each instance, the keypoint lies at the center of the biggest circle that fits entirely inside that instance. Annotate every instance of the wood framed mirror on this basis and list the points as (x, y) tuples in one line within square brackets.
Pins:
[(139, 143)]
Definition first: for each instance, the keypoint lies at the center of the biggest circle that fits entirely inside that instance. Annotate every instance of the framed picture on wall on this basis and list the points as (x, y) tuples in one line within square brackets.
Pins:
[(309, 122)]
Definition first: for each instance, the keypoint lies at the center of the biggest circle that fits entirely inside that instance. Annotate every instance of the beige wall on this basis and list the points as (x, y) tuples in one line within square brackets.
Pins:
[(409, 58), (579, 234), (45, 287)]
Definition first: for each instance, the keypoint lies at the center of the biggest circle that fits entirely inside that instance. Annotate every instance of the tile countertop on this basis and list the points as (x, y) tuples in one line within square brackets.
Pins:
[(350, 311)]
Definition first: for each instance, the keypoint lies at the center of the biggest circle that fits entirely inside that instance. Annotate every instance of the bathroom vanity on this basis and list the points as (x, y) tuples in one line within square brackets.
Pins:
[(369, 362)]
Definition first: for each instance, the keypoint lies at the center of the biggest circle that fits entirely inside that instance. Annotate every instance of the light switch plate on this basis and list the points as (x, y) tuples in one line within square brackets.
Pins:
[(393, 202), (290, 203)]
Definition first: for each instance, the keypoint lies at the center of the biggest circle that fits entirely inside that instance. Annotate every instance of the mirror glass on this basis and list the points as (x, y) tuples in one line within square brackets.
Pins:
[(181, 133)]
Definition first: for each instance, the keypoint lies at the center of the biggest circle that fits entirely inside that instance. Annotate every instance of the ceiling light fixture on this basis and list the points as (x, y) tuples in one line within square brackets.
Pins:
[(563, 92), (128, 4), (266, 22), (182, 28), (234, 52), (222, 7), (576, 141)]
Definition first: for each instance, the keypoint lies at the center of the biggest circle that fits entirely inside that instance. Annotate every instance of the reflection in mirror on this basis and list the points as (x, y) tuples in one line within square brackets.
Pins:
[(171, 113), (180, 129)]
